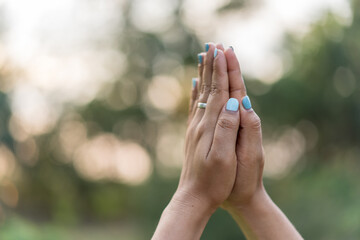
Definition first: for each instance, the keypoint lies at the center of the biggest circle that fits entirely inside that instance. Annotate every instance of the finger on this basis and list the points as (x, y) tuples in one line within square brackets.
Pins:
[(193, 97), (237, 87), (250, 127), (206, 77), (220, 46), (227, 126), (201, 57), (219, 92)]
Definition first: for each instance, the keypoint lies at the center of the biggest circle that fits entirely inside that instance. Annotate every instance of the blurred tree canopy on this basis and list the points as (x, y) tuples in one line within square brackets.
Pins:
[(319, 96)]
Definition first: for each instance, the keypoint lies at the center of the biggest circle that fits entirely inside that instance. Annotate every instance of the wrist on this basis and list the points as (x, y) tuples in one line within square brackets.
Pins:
[(185, 217), (186, 203), (258, 200)]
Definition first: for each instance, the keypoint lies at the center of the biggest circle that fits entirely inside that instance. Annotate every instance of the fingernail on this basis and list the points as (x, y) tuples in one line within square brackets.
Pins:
[(194, 80), (231, 47), (232, 105), (246, 103), (222, 45), (207, 46), (215, 52), (200, 58)]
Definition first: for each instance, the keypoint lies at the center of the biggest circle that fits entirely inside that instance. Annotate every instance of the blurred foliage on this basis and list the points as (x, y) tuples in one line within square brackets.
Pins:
[(320, 195)]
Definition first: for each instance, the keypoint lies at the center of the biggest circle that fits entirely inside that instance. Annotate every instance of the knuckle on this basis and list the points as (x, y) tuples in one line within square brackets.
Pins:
[(215, 90), (219, 74), (220, 159), (205, 88), (227, 124), (216, 158), (201, 128), (255, 122), (235, 71)]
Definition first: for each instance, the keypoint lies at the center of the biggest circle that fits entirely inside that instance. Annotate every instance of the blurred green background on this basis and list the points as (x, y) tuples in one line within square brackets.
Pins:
[(93, 109)]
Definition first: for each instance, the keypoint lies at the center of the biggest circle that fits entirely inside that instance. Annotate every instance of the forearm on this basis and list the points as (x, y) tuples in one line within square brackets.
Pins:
[(184, 218), (262, 219)]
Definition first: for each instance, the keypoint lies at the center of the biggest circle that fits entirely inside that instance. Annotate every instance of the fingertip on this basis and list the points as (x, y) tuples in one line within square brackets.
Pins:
[(194, 82), (232, 105), (246, 103), (219, 57), (201, 58), (249, 118), (207, 46), (220, 46), (218, 52)]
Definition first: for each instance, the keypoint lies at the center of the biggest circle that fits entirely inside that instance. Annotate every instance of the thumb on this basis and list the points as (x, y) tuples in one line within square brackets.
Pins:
[(250, 124), (226, 129)]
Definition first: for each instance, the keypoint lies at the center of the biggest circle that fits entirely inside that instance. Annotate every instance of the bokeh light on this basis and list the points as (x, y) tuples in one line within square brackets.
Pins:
[(165, 93), (94, 102), (107, 158), (283, 153), (7, 163)]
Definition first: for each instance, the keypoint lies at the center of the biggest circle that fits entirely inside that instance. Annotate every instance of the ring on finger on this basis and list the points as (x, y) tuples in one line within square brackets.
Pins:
[(202, 105)]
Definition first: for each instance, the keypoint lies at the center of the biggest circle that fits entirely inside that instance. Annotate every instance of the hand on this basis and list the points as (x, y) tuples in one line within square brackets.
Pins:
[(210, 163), (209, 169), (248, 203), (249, 149)]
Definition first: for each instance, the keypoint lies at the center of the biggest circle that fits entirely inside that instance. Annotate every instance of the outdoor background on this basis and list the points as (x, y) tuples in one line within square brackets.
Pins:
[(93, 109)]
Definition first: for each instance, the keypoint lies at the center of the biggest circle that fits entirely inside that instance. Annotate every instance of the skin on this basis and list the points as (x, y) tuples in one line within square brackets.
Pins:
[(224, 161)]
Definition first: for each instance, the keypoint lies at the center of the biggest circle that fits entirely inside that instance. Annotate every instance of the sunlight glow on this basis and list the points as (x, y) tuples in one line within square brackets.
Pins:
[(72, 135), (27, 151), (35, 114), (9, 194), (165, 93), (170, 150), (107, 158), (153, 16), (283, 153), (256, 33), (7, 163)]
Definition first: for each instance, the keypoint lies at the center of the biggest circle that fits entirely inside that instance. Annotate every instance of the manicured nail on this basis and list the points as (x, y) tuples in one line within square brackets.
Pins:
[(194, 80), (200, 58), (207, 46), (232, 105), (231, 47), (246, 103), (215, 52)]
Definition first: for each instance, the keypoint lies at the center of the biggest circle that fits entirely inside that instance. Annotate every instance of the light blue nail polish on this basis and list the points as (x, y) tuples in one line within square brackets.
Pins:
[(215, 52), (200, 58), (246, 103), (194, 82), (232, 105), (207, 46)]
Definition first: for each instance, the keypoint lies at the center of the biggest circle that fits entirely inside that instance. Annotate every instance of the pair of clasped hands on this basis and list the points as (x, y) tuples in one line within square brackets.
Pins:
[(224, 159)]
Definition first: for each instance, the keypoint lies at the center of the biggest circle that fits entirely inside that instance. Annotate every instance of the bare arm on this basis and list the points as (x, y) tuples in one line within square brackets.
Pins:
[(185, 217), (262, 219)]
